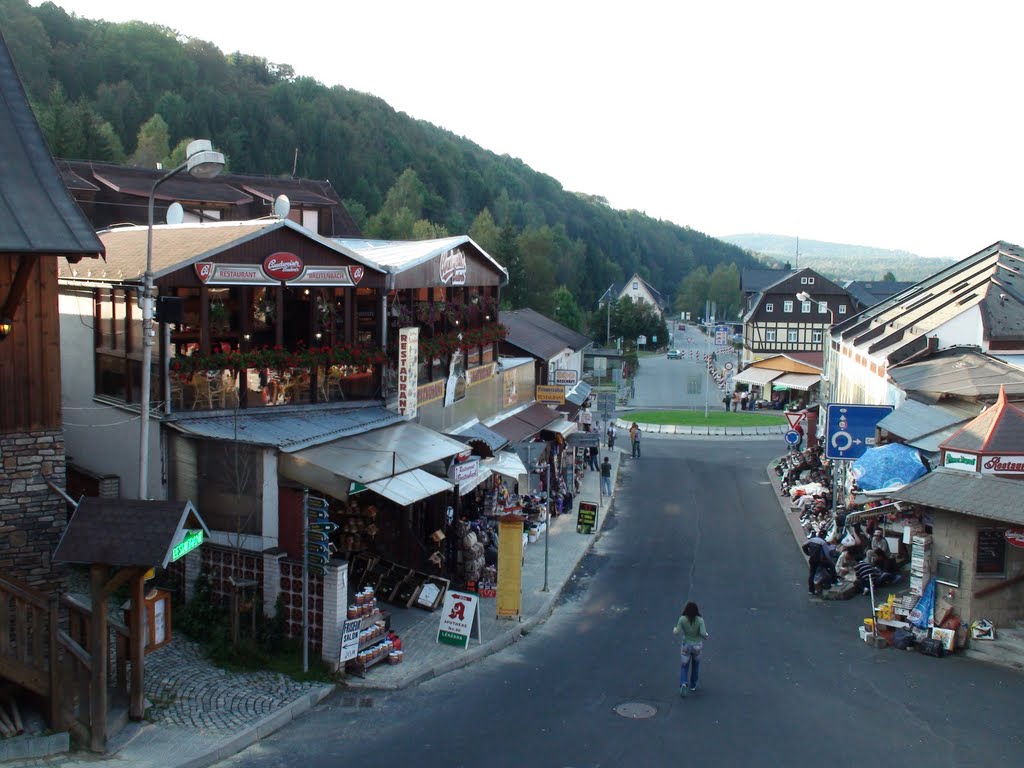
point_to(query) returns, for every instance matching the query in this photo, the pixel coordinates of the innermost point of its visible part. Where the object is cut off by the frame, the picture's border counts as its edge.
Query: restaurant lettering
(453, 267)
(996, 464)
(428, 393)
(408, 362)
(481, 373)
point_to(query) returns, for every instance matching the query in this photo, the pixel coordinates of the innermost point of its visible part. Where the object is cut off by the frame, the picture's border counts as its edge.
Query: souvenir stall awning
(367, 458)
(409, 487)
(526, 422)
(988, 496)
(868, 514)
(482, 474)
(564, 427)
(801, 381)
(477, 432)
(506, 463)
(756, 376)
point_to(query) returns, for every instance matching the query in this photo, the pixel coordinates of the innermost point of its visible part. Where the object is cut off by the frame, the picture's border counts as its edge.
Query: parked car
(673, 354)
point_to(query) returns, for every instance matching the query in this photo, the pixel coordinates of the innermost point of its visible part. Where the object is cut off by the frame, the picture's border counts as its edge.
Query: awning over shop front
(578, 395)
(564, 427)
(506, 463)
(477, 432)
(526, 422)
(801, 381)
(409, 487)
(366, 458)
(756, 376)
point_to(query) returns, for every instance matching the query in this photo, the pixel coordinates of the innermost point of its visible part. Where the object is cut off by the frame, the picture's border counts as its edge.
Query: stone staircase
(1007, 650)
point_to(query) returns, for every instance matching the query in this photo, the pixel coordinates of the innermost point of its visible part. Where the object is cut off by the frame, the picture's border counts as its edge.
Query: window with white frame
(816, 337)
(810, 281)
(805, 307)
(769, 307)
(822, 308)
(842, 309)
(636, 285)
(803, 281)
(787, 306)
(792, 335)
(769, 335)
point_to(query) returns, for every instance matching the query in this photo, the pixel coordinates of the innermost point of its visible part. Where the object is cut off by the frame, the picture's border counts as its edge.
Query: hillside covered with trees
(136, 93)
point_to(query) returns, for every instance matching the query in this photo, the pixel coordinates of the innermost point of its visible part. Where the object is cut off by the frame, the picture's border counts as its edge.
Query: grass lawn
(716, 418)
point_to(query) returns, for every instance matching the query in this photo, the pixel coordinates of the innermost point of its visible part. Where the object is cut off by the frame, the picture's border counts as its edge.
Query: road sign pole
(305, 580)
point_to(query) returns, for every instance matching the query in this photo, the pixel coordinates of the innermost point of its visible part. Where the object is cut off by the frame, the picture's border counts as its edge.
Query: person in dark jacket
(819, 555)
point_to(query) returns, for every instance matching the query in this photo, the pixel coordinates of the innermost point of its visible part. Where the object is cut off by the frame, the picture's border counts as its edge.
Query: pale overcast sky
(890, 124)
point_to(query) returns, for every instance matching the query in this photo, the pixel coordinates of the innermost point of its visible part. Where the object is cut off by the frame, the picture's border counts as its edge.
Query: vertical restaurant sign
(457, 619)
(408, 362)
(510, 566)
(452, 267)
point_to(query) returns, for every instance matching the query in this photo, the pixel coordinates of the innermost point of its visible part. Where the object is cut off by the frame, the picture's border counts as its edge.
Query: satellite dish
(175, 213)
(282, 205)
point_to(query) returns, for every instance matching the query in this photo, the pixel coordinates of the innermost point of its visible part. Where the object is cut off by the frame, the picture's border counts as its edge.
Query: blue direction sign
(792, 437)
(851, 429)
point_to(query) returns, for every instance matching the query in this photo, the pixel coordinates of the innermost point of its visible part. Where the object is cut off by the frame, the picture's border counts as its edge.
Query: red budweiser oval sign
(1015, 536)
(282, 266)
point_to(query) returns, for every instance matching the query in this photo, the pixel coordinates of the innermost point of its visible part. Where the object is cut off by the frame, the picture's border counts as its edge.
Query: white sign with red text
(457, 619)
(1002, 465)
(408, 362)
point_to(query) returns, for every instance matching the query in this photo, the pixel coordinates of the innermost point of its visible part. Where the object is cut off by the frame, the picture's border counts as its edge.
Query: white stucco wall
(100, 438)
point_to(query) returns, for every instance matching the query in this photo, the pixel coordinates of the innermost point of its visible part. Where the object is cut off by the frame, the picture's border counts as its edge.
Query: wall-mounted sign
(276, 268)
(452, 267)
(1002, 465)
(464, 471)
(282, 266)
(192, 540)
(333, 276)
(550, 393)
(231, 274)
(566, 377)
(966, 462)
(408, 366)
(1015, 537)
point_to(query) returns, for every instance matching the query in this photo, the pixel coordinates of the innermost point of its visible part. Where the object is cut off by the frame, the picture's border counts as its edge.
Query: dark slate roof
(991, 279)
(998, 429)
(966, 372)
(756, 280)
(612, 292)
(138, 182)
(37, 214)
(868, 293)
(540, 336)
(526, 423)
(126, 532)
(968, 493)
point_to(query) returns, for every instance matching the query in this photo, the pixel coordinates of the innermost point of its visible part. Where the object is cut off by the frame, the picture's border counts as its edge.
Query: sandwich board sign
(458, 617)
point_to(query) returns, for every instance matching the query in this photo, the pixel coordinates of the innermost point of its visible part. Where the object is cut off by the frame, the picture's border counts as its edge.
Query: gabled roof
(990, 279)
(655, 293)
(821, 286)
(540, 336)
(998, 429)
(962, 371)
(868, 293)
(756, 280)
(792, 362)
(967, 493)
(179, 245)
(399, 255)
(37, 215)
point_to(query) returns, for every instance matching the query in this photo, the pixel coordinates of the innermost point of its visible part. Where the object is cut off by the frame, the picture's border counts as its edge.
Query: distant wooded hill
(135, 92)
(838, 261)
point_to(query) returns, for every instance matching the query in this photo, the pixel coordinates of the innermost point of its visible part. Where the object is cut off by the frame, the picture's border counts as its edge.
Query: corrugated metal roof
(179, 245)
(37, 213)
(526, 423)
(578, 395)
(967, 493)
(288, 430)
(400, 255)
(913, 420)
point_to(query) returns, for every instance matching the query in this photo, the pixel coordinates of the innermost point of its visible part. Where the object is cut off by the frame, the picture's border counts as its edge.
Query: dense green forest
(136, 92)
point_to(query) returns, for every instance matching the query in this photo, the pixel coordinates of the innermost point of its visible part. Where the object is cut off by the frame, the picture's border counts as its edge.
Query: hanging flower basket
(279, 358)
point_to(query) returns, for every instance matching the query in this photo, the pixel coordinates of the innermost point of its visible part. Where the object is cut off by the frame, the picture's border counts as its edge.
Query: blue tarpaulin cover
(887, 466)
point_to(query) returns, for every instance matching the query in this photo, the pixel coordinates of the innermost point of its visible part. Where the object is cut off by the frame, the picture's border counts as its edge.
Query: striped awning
(756, 376)
(801, 381)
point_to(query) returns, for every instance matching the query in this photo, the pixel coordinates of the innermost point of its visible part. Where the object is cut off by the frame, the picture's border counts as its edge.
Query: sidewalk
(202, 714)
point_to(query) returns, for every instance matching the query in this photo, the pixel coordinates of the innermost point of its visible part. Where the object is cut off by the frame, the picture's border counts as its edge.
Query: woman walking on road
(691, 626)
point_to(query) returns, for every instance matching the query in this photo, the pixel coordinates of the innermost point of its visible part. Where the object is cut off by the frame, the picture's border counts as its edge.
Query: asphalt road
(682, 383)
(784, 679)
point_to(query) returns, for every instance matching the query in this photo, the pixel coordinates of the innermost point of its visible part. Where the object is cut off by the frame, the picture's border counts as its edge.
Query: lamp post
(203, 163)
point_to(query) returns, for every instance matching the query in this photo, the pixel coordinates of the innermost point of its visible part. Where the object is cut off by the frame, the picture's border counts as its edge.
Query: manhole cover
(635, 710)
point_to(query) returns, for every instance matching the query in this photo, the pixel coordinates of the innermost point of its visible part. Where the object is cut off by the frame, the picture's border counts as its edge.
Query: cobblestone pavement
(187, 690)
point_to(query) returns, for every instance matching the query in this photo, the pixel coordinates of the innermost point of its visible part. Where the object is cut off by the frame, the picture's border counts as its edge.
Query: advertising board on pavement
(458, 617)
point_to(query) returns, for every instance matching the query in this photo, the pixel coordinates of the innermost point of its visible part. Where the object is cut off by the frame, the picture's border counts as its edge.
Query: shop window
(792, 336)
(991, 553)
(787, 306)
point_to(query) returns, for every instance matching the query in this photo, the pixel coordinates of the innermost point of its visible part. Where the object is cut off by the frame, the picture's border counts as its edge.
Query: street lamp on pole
(202, 162)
